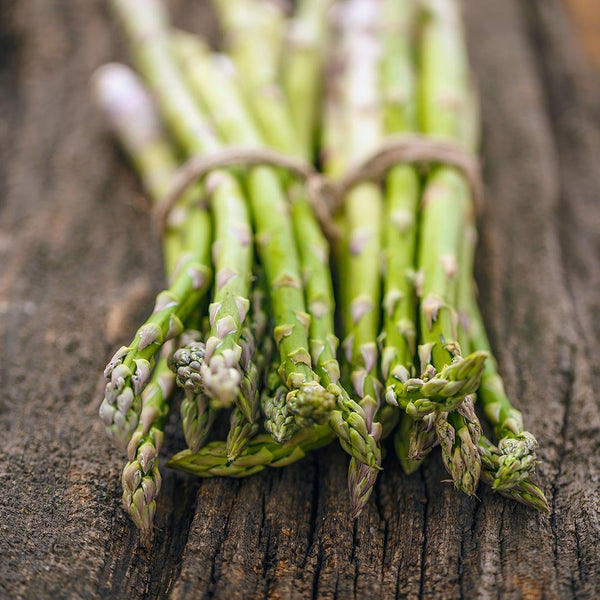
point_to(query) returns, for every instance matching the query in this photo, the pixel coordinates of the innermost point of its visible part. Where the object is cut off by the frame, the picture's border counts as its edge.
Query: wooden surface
(78, 270)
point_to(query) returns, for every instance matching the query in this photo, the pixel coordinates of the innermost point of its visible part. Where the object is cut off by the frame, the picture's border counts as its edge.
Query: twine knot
(326, 196)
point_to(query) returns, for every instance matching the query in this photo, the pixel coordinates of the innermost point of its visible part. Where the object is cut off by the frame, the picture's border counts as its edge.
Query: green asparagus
(404, 259)
(146, 26)
(307, 399)
(132, 117)
(254, 37)
(359, 252)
(302, 70)
(261, 452)
(197, 416)
(399, 96)
(134, 120)
(141, 478)
(257, 349)
(348, 421)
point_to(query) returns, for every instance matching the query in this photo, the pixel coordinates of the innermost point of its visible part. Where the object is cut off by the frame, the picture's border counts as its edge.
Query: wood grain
(74, 237)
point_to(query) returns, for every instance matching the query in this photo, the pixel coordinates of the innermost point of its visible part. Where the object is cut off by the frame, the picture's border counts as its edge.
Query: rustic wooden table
(78, 270)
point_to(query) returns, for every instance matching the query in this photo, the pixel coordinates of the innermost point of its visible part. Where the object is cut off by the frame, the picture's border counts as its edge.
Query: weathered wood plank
(573, 97)
(66, 266)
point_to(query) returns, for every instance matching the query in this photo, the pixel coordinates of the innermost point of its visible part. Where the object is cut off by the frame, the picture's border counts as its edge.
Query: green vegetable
(133, 119)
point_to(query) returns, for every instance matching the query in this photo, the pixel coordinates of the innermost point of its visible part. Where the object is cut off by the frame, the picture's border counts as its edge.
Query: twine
(326, 196)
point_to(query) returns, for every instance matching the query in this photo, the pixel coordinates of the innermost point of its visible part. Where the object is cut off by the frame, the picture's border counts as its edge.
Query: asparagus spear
(261, 452)
(146, 26)
(302, 70)
(446, 111)
(507, 468)
(522, 490)
(197, 416)
(254, 364)
(307, 399)
(254, 36)
(232, 254)
(444, 100)
(132, 117)
(399, 95)
(349, 420)
(360, 250)
(141, 478)
(516, 459)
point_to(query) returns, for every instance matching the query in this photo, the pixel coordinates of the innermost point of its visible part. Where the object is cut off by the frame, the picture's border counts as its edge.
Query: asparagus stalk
(141, 477)
(254, 365)
(132, 117)
(254, 36)
(197, 416)
(261, 452)
(459, 431)
(445, 111)
(507, 468)
(146, 26)
(349, 420)
(399, 333)
(232, 255)
(307, 399)
(360, 250)
(302, 69)
(516, 459)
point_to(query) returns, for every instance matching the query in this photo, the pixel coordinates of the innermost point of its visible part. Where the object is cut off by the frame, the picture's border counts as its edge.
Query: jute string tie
(326, 195)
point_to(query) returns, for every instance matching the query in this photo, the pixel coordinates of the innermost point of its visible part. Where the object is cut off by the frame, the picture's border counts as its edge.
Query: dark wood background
(79, 266)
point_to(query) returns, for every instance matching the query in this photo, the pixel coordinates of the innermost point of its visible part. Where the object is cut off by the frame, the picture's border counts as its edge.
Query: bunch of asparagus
(246, 324)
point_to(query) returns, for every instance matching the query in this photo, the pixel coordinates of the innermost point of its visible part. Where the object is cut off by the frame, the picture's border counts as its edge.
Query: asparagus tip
(310, 404)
